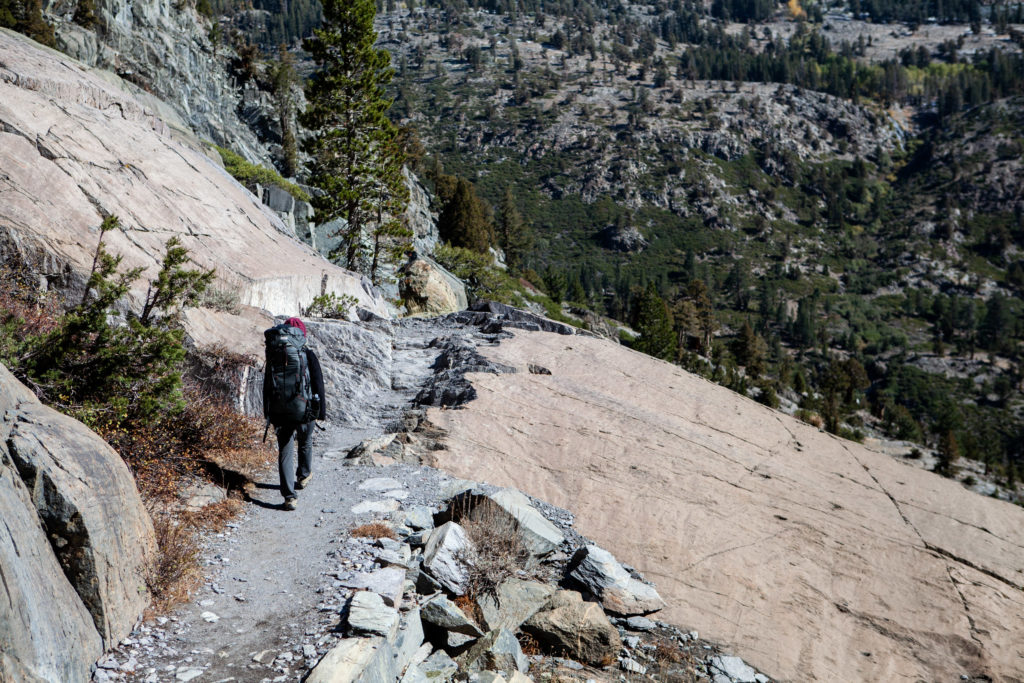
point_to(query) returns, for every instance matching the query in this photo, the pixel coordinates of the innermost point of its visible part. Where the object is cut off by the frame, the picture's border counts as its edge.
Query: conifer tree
(654, 323)
(354, 160)
(515, 236)
(464, 220)
(283, 77)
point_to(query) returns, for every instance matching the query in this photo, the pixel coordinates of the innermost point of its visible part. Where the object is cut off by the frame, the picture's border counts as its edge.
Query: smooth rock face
(77, 142)
(618, 592)
(442, 557)
(354, 659)
(75, 539)
(581, 629)
(796, 549)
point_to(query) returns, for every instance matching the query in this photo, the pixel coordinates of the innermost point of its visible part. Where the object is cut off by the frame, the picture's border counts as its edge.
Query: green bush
(477, 270)
(249, 173)
(331, 305)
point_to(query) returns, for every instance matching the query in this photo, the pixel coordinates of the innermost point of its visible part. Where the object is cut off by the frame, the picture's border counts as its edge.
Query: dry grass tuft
(213, 516)
(376, 529)
(528, 644)
(174, 572)
(498, 551)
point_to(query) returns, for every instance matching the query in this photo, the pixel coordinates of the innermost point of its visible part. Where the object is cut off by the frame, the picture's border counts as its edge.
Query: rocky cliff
(75, 543)
(814, 557)
(78, 144)
(165, 48)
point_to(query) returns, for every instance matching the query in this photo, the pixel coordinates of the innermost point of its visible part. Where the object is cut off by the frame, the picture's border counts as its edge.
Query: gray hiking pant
(286, 438)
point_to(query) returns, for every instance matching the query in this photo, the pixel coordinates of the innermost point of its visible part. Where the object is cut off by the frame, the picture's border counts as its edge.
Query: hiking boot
(290, 504)
(304, 481)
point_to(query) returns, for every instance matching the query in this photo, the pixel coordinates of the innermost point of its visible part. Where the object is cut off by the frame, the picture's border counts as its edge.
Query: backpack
(289, 397)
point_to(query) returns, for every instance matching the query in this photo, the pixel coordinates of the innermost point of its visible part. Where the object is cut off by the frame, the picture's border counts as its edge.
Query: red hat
(295, 322)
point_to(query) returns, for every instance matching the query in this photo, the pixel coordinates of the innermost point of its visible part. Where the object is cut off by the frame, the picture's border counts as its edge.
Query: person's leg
(305, 465)
(286, 460)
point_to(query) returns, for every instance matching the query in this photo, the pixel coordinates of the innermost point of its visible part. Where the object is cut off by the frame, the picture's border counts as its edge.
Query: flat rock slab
(387, 582)
(797, 549)
(381, 484)
(376, 507)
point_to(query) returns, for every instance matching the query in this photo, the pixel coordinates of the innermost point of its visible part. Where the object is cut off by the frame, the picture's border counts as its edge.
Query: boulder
(85, 498)
(497, 651)
(579, 629)
(46, 632)
(441, 612)
(428, 289)
(443, 555)
(367, 614)
(439, 666)
(409, 643)
(600, 573)
(538, 534)
(516, 601)
(388, 583)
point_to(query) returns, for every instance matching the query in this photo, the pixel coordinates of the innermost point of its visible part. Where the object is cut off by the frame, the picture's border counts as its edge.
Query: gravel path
(274, 579)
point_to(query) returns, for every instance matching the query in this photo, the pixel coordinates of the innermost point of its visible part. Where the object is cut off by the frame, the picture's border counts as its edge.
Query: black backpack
(289, 400)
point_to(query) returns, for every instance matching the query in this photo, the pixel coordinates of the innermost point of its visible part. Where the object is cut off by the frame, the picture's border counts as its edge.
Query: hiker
(293, 398)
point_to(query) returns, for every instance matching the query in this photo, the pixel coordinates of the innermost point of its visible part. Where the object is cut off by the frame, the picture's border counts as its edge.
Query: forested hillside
(775, 204)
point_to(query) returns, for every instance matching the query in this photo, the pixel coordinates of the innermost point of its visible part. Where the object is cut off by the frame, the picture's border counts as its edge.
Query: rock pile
(438, 603)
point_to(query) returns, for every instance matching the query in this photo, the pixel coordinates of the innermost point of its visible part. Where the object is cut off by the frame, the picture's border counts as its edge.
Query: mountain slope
(816, 558)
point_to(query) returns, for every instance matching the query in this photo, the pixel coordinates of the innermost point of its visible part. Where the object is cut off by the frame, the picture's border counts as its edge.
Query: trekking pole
(265, 430)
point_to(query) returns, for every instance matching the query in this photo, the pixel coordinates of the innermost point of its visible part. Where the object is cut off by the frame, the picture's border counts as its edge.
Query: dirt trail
(271, 575)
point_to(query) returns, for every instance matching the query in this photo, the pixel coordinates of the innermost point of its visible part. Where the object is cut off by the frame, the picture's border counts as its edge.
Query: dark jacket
(316, 380)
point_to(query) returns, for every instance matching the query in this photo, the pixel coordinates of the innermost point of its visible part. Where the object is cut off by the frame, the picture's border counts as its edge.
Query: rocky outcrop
(814, 557)
(77, 145)
(76, 544)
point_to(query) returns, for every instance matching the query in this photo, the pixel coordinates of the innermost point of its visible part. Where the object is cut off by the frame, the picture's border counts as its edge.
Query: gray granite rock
(516, 601)
(619, 593)
(368, 614)
(441, 612)
(442, 557)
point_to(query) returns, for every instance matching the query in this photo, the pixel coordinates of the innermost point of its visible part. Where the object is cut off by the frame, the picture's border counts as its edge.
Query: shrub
(174, 570)
(224, 299)
(249, 173)
(331, 305)
(482, 278)
(497, 550)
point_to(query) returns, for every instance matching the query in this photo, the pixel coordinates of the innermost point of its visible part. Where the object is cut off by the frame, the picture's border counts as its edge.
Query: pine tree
(353, 156)
(949, 453)
(464, 220)
(515, 236)
(654, 323)
(283, 77)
